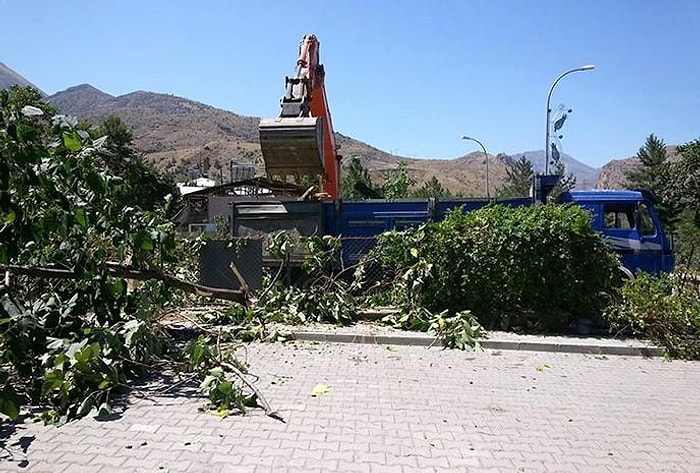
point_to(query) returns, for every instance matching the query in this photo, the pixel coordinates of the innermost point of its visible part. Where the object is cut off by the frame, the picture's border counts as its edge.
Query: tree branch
(115, 269)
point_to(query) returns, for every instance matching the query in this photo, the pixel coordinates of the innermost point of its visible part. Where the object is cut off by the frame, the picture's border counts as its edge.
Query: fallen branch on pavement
(116, 269)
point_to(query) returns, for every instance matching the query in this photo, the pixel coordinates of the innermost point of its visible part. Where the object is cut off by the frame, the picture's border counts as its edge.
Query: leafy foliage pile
(663, 309)
(320, 293)
(72, 222)
(529, 268)
(220, 371)
(324, 292)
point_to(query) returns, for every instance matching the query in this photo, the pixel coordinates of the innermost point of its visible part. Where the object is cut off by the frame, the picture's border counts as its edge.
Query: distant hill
(586, 176)
(183, 136)
(613, 174)
(80, 98)
(178, 135)
(175, 133)
(8, 78)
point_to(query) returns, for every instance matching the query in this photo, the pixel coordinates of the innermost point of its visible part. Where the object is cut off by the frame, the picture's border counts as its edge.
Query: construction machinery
(300, 141)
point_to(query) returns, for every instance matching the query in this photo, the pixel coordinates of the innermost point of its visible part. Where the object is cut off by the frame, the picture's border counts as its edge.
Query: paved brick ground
(402, 409)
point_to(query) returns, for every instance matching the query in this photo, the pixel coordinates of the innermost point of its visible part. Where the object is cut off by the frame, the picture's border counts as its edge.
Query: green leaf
(60, 359)
(103, 411)
(71, 140)
(86, 406)
(81, 218)
(10, 217)
(117, 286)
(250, 401)
(74, 349)
(142, 240)
(197, 355)
(226, 387)
(9, 402)
(52, 381)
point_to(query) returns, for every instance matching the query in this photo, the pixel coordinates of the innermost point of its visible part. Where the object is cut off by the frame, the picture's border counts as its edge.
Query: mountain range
(8, 77)
(186, 138)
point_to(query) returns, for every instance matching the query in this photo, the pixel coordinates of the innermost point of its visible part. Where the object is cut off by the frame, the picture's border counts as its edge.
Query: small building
(195, 185)
(206, 206)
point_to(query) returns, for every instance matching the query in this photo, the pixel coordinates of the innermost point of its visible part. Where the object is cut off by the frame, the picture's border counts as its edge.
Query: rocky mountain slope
(179, 135)
(8, 77)
(185, 137)
(586, 176)
(613, 174)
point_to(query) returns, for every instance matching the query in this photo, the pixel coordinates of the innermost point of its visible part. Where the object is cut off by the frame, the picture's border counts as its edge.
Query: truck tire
(626, 273)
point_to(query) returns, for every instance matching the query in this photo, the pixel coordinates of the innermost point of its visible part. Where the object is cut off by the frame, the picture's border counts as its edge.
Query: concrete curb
(596, 347)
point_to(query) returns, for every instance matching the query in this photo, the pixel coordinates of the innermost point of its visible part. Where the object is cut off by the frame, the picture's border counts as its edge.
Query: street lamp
(488, 195)
(547, 145)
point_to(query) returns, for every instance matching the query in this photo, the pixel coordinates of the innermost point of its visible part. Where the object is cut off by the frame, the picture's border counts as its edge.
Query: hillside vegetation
(178, 134)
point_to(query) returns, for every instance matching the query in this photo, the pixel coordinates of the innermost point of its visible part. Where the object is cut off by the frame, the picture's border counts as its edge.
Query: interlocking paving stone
(403, 409)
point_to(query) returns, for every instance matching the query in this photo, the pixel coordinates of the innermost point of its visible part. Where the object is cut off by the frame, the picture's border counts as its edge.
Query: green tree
(652, 157)
(566, 182)
(148, 187)
(432, 189)
(356, 182)
(519, 178)
(121, 138)
(553, 268)
(655, 174)
(681, 198)
(398, 183)
(21, 96)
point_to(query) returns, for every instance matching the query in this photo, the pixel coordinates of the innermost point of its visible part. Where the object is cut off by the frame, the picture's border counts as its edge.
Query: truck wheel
(614, 296)
(626, 273)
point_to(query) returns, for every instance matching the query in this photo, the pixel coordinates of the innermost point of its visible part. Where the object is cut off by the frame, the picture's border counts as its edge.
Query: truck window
(619, 216)
(646, 222)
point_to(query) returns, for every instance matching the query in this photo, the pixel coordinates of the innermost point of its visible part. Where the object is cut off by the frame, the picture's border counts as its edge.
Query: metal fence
(251, 258)
(218, 259)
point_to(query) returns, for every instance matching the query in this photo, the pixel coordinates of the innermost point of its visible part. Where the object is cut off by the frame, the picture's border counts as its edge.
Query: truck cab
(630, 223)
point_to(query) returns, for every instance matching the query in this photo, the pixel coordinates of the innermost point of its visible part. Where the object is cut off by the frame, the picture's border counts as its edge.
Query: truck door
(634, 233)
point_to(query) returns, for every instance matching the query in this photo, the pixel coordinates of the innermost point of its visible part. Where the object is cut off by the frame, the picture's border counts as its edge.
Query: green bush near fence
(529, 268)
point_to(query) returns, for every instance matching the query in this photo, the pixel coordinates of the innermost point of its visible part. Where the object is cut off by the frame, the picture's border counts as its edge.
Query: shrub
(527, 268)
(660, 309)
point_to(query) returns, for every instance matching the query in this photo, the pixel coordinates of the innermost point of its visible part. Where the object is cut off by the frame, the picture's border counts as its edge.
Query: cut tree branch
(116, 269)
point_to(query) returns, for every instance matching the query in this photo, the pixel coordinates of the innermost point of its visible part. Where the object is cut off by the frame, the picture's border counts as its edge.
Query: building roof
(262, 183)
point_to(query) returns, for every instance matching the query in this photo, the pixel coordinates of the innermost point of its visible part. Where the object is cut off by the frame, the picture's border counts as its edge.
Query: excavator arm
(300, 141)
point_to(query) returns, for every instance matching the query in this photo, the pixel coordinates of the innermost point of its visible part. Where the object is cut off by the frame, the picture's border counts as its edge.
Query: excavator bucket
(292, 146)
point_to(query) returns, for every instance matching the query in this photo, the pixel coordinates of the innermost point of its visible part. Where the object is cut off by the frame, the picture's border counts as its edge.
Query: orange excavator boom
(300, 140)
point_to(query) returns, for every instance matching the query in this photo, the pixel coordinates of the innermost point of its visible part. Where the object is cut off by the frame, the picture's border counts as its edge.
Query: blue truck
(627, 219)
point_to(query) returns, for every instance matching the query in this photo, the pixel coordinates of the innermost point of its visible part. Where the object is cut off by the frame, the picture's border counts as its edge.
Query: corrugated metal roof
(264, 183)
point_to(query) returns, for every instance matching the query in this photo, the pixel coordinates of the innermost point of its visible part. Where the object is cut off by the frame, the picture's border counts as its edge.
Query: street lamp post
(486, 155)
(547, 145)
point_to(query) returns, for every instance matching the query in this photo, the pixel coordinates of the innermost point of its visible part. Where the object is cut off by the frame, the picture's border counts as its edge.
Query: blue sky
(409, 77)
